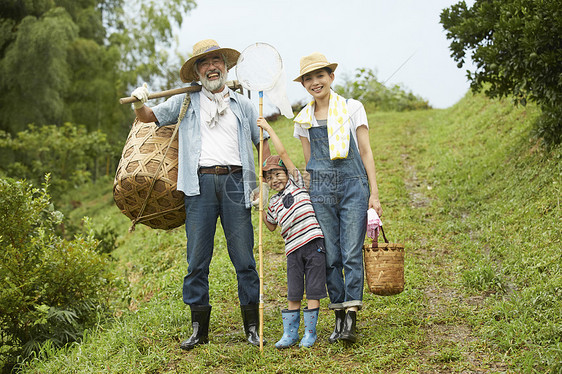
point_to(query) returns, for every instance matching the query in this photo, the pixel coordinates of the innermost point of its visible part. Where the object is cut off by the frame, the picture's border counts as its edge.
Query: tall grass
(478, 208)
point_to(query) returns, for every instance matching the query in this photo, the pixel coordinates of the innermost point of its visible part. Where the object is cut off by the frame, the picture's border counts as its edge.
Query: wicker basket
(384, 267)
(146, 178)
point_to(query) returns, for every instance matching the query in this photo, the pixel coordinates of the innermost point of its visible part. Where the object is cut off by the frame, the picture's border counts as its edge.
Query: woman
(335, 138)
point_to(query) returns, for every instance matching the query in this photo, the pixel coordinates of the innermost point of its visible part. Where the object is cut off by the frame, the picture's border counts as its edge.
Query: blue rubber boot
(310, 317)
(291, 321)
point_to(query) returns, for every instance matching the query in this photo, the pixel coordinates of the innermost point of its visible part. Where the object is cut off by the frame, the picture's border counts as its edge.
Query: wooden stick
(260, 224)
(175, 91)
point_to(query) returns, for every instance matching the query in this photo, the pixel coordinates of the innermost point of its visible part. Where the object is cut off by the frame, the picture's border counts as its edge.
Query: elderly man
(217, 176)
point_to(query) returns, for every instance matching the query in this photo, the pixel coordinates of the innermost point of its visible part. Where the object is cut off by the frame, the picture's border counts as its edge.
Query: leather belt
(220, 169)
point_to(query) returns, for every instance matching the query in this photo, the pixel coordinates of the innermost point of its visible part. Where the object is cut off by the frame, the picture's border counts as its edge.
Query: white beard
(214, 85)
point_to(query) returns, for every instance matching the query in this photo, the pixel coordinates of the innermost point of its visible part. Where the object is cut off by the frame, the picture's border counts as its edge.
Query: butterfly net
(260, 68)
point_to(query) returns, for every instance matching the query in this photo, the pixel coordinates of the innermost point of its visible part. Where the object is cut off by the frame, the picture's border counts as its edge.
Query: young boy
(291, 209)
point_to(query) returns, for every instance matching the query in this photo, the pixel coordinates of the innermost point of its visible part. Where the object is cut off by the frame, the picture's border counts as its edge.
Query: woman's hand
(375, 204)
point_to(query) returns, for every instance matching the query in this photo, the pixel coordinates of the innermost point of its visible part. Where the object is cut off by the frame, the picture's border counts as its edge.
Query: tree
(516, 46)
(70, 60)
(35, 72)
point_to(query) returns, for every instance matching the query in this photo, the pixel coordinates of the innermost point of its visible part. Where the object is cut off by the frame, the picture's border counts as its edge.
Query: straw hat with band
(312, 62)
(202, 49)
(273, 162)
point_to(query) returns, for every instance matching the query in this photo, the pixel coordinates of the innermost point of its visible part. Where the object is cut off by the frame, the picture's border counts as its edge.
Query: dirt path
(449, 337)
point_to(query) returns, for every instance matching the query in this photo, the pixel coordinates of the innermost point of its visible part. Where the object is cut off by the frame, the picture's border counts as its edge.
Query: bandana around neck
(338, 124)
(216, 108)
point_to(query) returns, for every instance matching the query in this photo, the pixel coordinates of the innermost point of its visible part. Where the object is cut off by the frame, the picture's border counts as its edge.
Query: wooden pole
(175, 91)
(260, 224)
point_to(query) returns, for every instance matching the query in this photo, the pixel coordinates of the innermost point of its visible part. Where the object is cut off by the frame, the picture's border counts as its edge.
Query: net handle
(260, 225)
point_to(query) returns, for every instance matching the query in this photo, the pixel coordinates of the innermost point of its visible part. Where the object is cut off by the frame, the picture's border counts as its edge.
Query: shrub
(69, 153)
(51, 289)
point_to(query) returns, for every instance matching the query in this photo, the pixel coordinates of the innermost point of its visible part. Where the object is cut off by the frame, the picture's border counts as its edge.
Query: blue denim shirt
(190, 138)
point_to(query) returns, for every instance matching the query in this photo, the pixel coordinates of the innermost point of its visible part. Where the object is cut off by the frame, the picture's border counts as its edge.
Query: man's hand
(140, 93)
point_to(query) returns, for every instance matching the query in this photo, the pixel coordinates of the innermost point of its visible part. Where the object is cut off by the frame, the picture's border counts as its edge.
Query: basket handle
(383, 235)
(375, 243)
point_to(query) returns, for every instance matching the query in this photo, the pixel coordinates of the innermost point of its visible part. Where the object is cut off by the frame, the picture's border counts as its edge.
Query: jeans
(221, 196)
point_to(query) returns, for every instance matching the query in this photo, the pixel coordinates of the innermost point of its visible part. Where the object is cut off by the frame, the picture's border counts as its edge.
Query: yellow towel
(338, 124)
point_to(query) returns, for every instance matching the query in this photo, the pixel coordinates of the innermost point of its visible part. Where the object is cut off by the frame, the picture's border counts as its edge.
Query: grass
(478, 208)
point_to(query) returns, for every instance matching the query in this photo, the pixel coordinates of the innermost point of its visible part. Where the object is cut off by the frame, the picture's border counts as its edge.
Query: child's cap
(273, 162)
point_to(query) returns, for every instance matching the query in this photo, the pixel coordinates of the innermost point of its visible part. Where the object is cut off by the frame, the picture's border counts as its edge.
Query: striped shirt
(292, 210)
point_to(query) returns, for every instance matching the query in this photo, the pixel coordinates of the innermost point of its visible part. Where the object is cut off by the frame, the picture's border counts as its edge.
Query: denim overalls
(339, 190)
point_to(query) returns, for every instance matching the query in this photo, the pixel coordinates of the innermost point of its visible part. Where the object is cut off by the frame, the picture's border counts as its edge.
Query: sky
(376, 34)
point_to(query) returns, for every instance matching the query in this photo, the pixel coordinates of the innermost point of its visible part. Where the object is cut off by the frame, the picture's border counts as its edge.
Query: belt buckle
(219, 169)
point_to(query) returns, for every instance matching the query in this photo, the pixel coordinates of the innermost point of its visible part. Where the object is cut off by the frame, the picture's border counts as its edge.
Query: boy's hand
(255, 196)
(263, 124)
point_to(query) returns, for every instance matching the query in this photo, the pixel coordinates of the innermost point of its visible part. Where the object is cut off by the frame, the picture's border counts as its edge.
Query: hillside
(475, 203)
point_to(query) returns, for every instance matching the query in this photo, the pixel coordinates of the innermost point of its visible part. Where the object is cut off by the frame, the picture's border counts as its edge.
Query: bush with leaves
(51, 289)
(516, 46)
(69, 153)
(376, 96)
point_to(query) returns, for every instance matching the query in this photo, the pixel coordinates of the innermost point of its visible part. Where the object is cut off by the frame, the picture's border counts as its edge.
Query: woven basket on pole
(146, 178)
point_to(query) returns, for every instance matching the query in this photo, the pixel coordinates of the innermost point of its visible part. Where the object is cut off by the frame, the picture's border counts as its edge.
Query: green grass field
(477, 206)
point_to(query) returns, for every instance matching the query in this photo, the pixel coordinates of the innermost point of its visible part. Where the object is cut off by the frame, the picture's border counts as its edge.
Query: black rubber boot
(251, 318)
(348, 333)
(340, 316)
(200, 316)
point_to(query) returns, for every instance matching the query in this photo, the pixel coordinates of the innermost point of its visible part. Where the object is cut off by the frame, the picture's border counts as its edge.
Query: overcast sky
(375, 34)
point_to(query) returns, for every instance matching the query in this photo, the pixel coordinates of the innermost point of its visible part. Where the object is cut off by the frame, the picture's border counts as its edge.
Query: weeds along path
(414, 213)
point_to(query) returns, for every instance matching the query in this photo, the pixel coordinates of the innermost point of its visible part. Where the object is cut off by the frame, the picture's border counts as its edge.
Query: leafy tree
(376, 96)
(70, 60)
(51, 289)
(67, 152)
(516, 46)
(35, 72)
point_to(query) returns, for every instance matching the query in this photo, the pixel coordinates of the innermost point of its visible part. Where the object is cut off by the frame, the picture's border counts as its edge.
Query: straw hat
(200, 50)
(312, 62)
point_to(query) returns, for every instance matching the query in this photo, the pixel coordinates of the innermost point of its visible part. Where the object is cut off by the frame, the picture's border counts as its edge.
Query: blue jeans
(221, 196)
